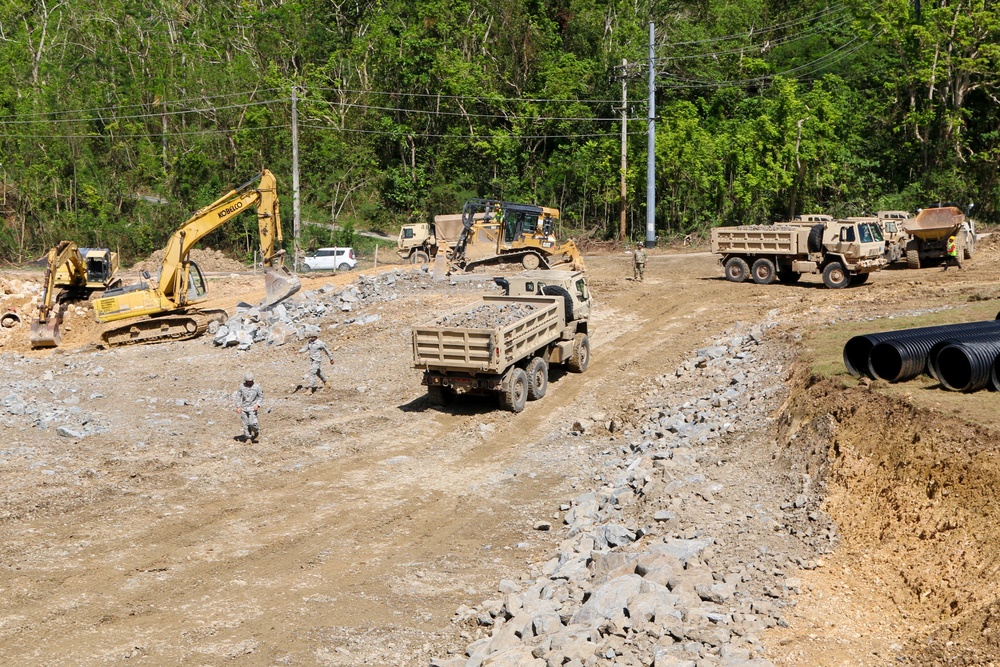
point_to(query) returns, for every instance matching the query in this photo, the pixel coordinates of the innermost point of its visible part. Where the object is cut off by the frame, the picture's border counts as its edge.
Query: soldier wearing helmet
(316, 349)
(248, 399)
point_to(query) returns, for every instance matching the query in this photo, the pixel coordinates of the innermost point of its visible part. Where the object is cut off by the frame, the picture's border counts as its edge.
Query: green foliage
(129, 115)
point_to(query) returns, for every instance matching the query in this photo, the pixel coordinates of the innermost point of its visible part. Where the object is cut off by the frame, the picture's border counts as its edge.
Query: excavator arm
(45, 326)
(279, 283)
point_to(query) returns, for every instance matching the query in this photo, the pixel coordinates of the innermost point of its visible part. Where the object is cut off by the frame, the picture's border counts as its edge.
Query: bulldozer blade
(279, 284)
(45, 334)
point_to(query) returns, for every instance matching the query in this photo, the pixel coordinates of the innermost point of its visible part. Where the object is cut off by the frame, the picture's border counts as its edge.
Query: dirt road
(364, 517)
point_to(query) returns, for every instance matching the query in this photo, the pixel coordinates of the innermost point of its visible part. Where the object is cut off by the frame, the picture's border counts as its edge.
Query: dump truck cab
(571, 285)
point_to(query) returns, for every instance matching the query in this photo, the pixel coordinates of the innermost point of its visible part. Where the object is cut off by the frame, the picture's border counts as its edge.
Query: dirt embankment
(206, 258)
(914, 493)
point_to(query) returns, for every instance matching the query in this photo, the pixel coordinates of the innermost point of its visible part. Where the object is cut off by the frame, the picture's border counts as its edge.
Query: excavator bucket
(45, 334)
(279, 284)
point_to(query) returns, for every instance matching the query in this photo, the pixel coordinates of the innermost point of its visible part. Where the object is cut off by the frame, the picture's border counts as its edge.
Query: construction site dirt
(135, 527)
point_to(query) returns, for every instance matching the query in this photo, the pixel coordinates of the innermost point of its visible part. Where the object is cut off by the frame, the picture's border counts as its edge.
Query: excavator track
(161, 328)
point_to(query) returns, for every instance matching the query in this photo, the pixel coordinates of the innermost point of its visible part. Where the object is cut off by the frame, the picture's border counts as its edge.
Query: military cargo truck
(504, 345)
(844, 252)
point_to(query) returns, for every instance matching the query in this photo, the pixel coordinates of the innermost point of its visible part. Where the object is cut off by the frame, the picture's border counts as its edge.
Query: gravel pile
(207, 260)
(307, 313)
(657, 567)
(487, 316)
(48, 400)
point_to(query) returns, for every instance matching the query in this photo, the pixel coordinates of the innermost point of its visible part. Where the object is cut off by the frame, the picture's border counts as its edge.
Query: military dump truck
(504, 345)
(895, 236)
(420, 242)
(845, 252)
(929, 232)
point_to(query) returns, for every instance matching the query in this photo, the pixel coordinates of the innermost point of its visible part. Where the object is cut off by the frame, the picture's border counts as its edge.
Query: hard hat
(248, 377)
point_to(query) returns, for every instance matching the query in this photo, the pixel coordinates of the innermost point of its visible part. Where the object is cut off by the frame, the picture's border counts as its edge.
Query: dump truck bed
(761, 239)
(490, 335)
(934, 223)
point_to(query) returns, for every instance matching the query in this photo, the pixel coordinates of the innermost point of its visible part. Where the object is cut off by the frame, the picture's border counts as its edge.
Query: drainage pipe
(967, 366)
(858, 349)
(932, 354)
(904, 356)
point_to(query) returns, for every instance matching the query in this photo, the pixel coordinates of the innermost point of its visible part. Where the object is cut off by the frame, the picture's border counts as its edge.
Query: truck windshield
(869, 233)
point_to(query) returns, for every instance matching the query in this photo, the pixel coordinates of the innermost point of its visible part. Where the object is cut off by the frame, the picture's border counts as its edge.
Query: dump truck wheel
(581, 354)
(531, 261)
(860, 279)
(969, 246)
(538, 378)
(788, 277)
(737, 269)
(835, 276)
(516, 394)
(419, 257)
(815, 241)
(912, 256)
(763, 271)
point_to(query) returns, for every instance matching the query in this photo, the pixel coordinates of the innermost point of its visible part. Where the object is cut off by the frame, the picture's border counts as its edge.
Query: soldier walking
(248, 400)
(639, 263)
(316, 349)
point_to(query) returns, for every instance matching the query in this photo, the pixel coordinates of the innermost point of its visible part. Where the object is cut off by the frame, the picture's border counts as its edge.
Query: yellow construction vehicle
(163, 310)
(496, 231)
(72, 273)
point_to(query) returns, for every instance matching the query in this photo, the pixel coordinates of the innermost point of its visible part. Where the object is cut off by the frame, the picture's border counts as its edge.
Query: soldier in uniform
(316, 349)
(639, 263)
(248, 400)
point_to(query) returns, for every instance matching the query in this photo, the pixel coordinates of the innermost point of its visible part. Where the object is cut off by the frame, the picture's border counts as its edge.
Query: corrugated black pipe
(975, 337)
(904, 356)
(858, 349)
(967, 366)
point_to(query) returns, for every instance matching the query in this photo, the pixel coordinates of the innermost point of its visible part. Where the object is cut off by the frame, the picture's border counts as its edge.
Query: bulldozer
(72, 273)
(496, 231)
(153, 311)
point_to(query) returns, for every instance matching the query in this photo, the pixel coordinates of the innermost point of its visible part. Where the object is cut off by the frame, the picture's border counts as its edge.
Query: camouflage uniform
(248, 400)
(639, 263)
(316, 349)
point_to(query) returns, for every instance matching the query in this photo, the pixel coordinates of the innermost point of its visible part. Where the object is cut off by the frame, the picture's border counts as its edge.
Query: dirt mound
(206, 258)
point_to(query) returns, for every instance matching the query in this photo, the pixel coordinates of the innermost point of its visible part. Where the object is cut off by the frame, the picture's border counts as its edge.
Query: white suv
(340, 259)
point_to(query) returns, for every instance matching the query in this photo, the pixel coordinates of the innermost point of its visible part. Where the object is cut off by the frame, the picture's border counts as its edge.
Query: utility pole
(651, 146)
(621, 222)
(296, 213)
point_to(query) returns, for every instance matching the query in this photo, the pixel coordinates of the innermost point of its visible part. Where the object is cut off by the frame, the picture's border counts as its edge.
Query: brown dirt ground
(364, 517)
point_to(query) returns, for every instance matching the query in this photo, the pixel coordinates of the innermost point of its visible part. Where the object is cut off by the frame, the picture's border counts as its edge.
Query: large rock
(609, 600)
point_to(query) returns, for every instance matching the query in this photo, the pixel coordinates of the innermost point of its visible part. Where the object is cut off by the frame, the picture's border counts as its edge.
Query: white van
(330, 259)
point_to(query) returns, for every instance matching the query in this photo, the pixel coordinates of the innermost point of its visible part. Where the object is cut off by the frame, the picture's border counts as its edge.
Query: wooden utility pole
(621, 222)
(296, 213)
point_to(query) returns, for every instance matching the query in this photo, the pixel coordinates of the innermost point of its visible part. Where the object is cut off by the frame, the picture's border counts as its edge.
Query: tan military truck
(845, 252)
(929, 232)
(505, 345)
(895, 236)
(419, 243)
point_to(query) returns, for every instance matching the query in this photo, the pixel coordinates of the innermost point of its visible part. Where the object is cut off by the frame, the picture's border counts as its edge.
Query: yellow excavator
(71, 273)
(164, 309)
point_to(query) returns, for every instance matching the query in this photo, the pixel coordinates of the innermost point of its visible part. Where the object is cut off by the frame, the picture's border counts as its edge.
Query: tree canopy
(118, 118)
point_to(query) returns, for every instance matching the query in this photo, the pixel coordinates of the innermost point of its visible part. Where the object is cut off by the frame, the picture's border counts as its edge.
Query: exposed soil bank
(914, 494)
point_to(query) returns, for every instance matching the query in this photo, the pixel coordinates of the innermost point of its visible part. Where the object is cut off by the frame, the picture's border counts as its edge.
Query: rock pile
(47, 401)
(656, 567)
(307, 312)
(487, 316)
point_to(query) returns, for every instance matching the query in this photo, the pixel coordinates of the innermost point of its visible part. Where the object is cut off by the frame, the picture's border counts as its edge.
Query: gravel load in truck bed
(487, 316)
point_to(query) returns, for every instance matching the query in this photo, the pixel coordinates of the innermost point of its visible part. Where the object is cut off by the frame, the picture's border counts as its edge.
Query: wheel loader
(151, 311)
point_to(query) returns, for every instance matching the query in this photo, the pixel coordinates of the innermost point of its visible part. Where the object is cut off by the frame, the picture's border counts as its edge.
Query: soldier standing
(248, 400)
(316, 349)
(639, 263)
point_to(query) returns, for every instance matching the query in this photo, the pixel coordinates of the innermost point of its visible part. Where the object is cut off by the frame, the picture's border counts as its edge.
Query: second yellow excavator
(164, 309)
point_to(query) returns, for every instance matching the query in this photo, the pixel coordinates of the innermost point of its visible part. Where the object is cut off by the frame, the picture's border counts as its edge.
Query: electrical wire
(779, 26)
(139, 104)
(158, 114)
(470, 98)
(512, 116)
(148, 135)
(770, 45)
(482, 137)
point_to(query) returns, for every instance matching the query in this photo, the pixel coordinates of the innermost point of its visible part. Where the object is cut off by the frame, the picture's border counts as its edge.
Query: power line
(778, 26)
(470, 98)
(148, 135)
(433, 112)
(466, 136)
(139, 104)
(158, 114)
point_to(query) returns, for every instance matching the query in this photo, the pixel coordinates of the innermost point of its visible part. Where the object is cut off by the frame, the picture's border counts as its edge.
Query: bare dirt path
(363, 518)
